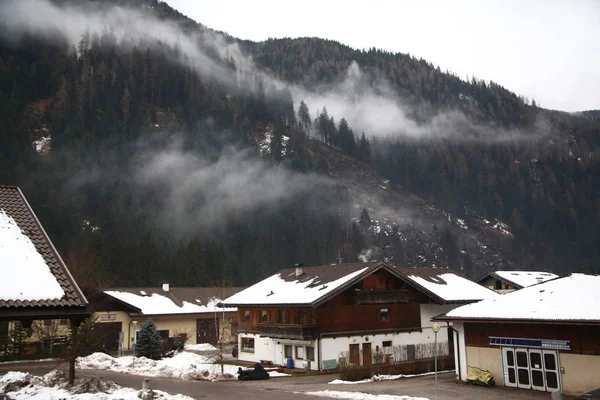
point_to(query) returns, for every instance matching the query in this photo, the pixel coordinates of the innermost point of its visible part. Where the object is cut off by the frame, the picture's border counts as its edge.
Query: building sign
(538, 343)
(108, 317)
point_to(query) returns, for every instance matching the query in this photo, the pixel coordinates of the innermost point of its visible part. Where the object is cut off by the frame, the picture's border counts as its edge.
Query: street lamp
(134, 323)
(436, 328)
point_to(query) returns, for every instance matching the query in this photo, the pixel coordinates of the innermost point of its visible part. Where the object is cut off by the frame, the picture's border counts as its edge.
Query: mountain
(154, 148)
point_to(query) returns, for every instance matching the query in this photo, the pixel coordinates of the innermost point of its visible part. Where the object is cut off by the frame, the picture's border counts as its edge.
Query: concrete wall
(489, 358)
(582, 373)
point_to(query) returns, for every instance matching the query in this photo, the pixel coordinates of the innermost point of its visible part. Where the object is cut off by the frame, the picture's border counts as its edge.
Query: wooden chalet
(544, 337)
(316, 315)
(508, 281)
(36, 284)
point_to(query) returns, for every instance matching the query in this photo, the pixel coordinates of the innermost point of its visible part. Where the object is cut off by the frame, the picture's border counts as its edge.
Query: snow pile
(53, 386)
(502, 227)
(265, 145)
(200, 347)
(183, 365)
(42, 144)
(32, 280)
(379, 378)
(361, 396)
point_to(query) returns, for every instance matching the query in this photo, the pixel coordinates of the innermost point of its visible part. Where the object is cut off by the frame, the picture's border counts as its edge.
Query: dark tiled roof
(180, 294)
(14, 204)
(325, 273)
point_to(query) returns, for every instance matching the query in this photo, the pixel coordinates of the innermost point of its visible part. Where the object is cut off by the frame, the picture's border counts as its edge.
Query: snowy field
(360, 396)
(184, 365)
(53, 386)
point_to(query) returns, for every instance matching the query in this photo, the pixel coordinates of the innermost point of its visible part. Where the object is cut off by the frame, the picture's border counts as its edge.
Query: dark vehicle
(251, 374)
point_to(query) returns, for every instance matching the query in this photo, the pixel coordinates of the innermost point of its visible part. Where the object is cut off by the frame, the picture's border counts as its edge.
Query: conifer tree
(149, 342)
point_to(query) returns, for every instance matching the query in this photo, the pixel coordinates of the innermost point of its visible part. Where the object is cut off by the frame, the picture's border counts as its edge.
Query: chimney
(165, 287)
(299, 270)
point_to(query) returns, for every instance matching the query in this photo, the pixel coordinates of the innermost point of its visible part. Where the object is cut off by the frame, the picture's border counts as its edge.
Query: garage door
(531, 368)
(108, 334)
(206, 330)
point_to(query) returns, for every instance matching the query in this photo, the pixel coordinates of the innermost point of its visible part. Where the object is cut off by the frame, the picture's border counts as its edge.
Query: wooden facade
(583, 338)
(379, 302)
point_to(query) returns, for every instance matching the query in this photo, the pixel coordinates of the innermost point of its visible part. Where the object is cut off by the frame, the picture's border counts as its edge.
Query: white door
(551, 370)
(509, 365)
(522, 359)
(279, 354)
(537, 370)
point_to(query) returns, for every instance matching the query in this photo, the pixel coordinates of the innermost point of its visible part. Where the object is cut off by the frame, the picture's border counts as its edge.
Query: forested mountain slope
(153, 148)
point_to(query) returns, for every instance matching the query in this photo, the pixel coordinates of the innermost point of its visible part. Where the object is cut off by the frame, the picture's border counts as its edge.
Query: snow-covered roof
(570, 298)
(525, 278)
(306, 288)
(156, 301)
(33, 274)
(448, 286)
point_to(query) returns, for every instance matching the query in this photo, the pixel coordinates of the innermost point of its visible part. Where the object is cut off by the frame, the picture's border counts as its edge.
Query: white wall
(429, 311)
(269, 349)
(460, 350)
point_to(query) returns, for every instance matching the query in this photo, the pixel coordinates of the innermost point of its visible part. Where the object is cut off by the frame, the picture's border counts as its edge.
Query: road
(295, 387)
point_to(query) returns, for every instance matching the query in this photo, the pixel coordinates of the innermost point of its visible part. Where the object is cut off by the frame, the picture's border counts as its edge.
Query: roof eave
(444, 317)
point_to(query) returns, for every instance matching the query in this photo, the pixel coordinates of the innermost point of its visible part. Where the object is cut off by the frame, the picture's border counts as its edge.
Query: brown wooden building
(544, 337)
(316, 315)
(35, 283)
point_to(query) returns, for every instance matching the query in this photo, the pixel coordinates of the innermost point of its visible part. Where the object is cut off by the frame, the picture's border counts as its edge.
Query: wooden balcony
(284, 331)
(382, 297)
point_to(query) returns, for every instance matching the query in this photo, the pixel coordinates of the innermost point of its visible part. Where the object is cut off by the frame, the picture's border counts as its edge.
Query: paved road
(294, 387)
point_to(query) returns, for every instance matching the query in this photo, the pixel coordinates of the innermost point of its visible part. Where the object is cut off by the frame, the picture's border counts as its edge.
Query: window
(264, 316)
(283, 316)
(246, 315)
(288, 351)
(385, 314)
(303, 318)
(300, 352)
(387, 343)
(248, 345)
(310, 353)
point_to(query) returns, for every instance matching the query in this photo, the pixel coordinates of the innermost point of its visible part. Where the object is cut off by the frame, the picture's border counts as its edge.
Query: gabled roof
(571, 298)
(177, 300)
(520, 279)
(315, 285)
(33, 274)
(445, 286)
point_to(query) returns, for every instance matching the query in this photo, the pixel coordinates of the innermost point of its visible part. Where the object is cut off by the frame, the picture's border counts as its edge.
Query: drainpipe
(319, 354)
(457, 350)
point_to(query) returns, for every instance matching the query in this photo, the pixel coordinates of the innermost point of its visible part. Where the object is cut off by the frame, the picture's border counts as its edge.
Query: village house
(508, 281)
(189, 314)
(543, 337)
(36, 284)
(359, 312)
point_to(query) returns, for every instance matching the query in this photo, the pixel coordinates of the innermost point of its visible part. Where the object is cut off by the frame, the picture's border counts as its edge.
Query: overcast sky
(543, 49)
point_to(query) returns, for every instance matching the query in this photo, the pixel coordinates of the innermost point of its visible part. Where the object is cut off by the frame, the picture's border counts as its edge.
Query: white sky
(543, 49)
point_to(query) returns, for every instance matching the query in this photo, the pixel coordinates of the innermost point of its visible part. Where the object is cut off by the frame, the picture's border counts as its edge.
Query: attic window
(143, 292)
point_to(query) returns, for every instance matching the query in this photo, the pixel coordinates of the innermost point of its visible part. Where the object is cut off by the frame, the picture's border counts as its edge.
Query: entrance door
(523, 380)
(354, 354)
(537, 370)
(206, 330)
(367, 358)
(510, 368)
(551, 370)
(108, 334)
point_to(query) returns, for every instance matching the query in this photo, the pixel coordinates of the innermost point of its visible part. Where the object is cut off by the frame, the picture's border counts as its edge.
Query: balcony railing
(382, 297)
(282, 331)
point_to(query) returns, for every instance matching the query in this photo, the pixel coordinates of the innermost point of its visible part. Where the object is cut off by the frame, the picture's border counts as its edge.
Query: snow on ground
(42, 143)
(184, 365)
(200, 347)
(360, 396)
(461, 223)
(32, 280)
(380, 378)
(265, 145)
(53, 386)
